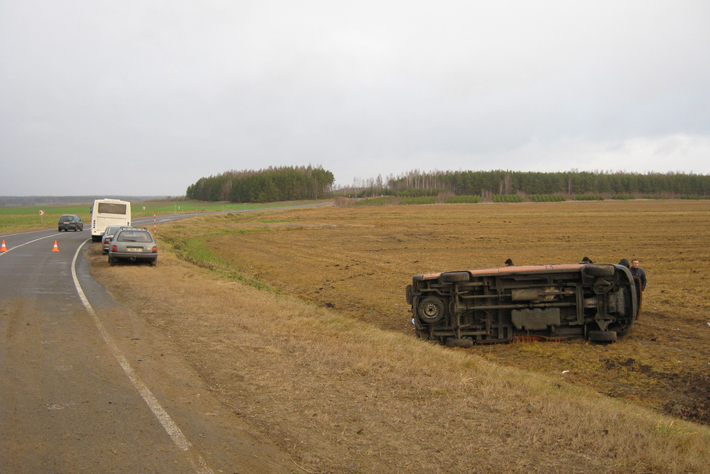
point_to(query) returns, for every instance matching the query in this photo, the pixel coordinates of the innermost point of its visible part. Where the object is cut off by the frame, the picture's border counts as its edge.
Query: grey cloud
(182, 89)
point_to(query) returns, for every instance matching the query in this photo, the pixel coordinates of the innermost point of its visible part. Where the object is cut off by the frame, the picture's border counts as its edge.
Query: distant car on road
(108, 236)
(462, 308)
(70, 221)
(136, 245)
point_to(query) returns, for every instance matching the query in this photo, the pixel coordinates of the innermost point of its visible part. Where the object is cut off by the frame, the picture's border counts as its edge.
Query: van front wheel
(431, 309)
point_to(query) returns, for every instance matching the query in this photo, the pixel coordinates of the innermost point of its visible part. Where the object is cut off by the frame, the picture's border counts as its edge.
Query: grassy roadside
(24, 218)
(341, 394)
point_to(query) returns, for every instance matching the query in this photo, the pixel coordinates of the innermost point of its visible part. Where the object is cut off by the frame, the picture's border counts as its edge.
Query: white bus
(106, 212)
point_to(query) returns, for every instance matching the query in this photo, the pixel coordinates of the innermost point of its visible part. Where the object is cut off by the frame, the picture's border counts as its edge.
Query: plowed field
(357, 260)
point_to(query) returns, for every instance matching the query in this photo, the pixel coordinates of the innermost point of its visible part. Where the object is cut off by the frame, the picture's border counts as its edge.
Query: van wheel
(431, 310)
(602, 336)
(463, 342)
(599, 270)
(455, 277)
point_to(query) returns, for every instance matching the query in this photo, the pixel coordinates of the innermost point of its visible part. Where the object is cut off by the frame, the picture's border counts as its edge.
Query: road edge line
(171, 428)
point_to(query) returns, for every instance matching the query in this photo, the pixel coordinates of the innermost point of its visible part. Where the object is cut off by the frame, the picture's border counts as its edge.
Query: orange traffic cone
(3, 248)
(55, 249)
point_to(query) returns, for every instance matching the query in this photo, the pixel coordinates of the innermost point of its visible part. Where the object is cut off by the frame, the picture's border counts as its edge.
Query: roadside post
(41, 218)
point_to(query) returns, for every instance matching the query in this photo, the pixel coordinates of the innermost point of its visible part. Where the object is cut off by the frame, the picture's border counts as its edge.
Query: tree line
(266, 185)
(299, 183)
(501, 182)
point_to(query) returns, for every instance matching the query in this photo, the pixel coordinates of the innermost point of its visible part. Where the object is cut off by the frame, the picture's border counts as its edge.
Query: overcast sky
(145, 97)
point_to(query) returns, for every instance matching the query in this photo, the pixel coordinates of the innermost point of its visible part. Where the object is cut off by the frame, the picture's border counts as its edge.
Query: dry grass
(343, 395)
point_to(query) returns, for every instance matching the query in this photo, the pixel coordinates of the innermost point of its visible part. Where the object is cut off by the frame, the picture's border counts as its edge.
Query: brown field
(343, 385)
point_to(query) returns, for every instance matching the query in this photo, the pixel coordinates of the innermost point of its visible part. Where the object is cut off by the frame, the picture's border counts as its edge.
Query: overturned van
(462, 308)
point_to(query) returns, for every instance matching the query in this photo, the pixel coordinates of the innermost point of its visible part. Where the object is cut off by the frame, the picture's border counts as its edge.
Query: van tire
(602, 336)
(431, 310)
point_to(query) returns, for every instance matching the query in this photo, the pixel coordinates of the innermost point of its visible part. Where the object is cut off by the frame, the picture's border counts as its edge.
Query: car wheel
(602, 336)
(153, 263)
(111, 261)
(431, 309)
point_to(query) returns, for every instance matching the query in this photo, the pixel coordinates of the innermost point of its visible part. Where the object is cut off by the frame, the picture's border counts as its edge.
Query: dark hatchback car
(70, 222)
(136, 245)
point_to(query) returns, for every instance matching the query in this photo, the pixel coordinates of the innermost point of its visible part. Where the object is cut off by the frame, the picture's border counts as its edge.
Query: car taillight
(114, 248)
(155, 249)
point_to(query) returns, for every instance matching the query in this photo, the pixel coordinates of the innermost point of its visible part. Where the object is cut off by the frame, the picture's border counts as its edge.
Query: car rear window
(127, 236)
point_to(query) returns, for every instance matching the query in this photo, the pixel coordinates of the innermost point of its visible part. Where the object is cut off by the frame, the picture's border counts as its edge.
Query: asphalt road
(87, 386)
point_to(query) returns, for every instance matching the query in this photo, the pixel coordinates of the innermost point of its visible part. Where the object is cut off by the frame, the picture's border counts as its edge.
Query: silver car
(136, 245)
(108, 235)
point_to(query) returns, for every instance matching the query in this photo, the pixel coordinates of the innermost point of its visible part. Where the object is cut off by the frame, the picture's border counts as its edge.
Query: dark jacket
(641, 274)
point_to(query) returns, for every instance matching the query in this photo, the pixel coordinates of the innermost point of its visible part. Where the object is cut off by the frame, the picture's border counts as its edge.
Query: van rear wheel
(602, 336)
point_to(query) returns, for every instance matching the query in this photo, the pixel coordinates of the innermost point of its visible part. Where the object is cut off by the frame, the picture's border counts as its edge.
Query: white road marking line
(169, 425)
